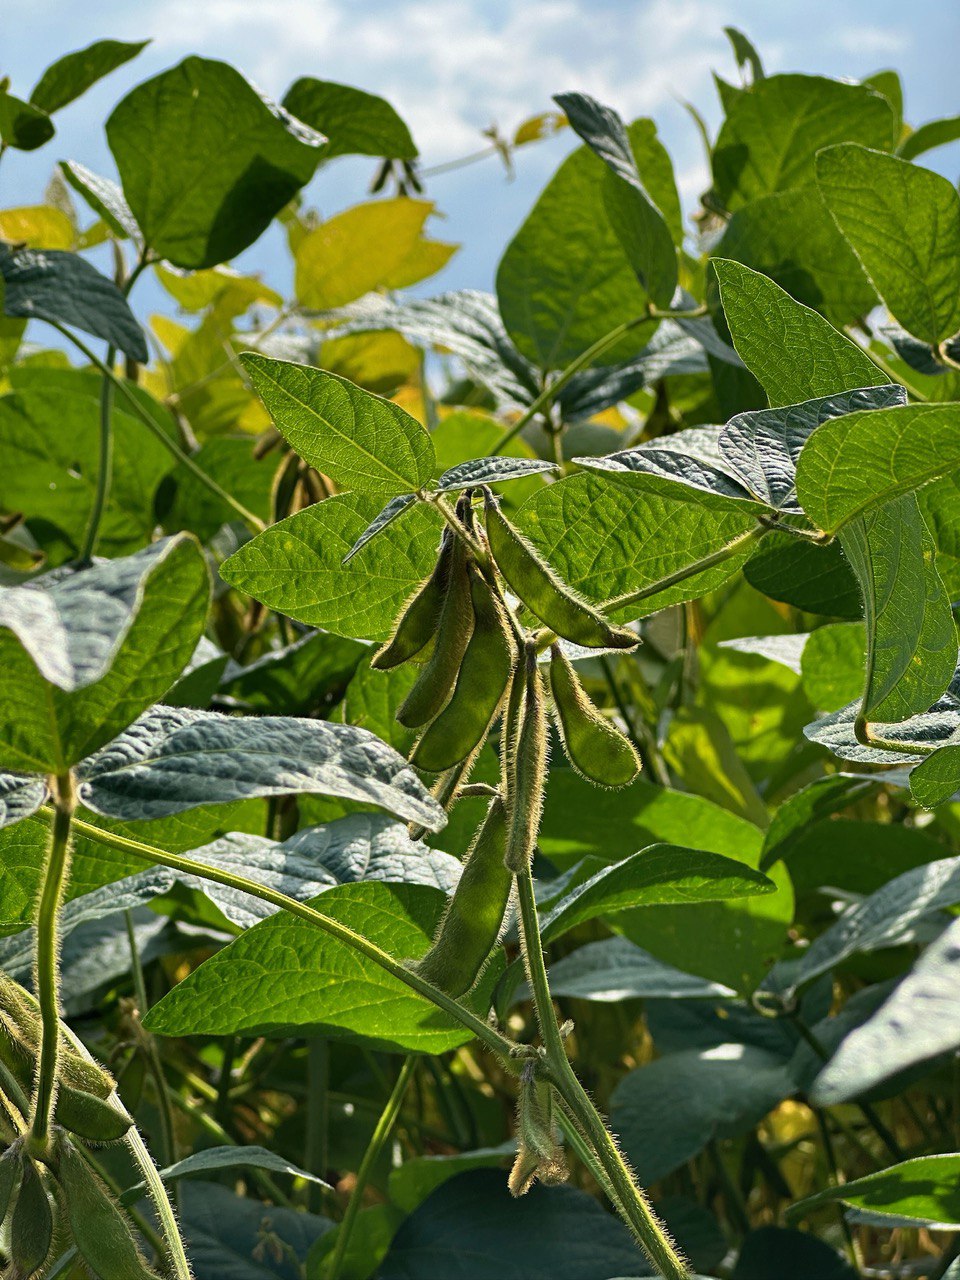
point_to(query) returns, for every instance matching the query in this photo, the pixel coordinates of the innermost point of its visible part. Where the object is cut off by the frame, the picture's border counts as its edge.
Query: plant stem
(318, 1116)
(254, 522)
(549, 394)
(176, 1254)
(168, 1132)
(466, 1017)
(755, 534)
(53, 883)
(628, 1197)
(381, 1133)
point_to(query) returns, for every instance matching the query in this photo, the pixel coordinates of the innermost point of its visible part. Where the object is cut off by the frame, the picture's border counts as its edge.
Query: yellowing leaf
(38, 227)
(357, 251)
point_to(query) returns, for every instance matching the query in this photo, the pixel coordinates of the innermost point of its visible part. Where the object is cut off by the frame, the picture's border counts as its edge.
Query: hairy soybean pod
(471, 924)
(435, 682)
(100, 1229)
(31, 1228)
(542, 591)
(528, 771)
(90, 1117)
(20, 1042)
(481, 683)
(9, 1168)
(417, 624)
(595, 747)
(539, 1154)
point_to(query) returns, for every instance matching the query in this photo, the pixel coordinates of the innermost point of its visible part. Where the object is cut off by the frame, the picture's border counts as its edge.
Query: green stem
(176, 1254)
(105, 460)
(755, 534)
(381, 1133)
(53, 883)
(549, 394)
(254, 522)
(627, 1195)
(480, 1028)
(318, 1116)
(168, 1132)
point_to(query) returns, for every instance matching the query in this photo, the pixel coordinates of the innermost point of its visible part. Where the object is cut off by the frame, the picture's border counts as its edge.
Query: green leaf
(917, 1022)
(216, 1159)
(625, 552)
(637, 222)
(296, 566)
(415, 1179)
(937, 778)
(792, 238)
(832, 665)
(20, 796)
(286, 976)
(770, 329)
(903, 223)
(935, 133)
(354, 122)
(49, 438)
(858, 462)
(356, 438)
(615, 969)
(175, 758)
(67, 78)
(789, 1255)
(82, 659)
(924, 1190)
(664, 874)
(22, 125)
(667, 1112)
(934, 728)
(296, 679)
(206, 162)
(771, 135)
(807, 807)
(63, 288)
(744, 52)
(884, 919)
(798, 572)
(225, 1236)
(471, 1228)
(911, 635)
(104, 197)
(564, 280)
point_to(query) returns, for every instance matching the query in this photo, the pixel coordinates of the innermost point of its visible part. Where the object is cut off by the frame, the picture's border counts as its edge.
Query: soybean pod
(31, 1226)
(472, 922)
(595, 747)
(417, 623)
(100, 1229)
(482, 681)
(527, 770)
(434, 684)
(543, 592)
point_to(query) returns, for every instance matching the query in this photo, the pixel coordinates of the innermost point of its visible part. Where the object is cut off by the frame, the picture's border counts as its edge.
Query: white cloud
(453, 67)
(875, 41)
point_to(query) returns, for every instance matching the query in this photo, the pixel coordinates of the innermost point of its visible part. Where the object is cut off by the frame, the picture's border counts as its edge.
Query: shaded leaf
(353, 121)
(70, 76)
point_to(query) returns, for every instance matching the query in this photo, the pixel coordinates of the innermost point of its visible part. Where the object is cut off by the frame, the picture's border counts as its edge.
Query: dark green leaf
(904, 225)
(62, 288)
(206, 162)
(798, 572)
(937, 778)
(174, 758)
(354, 122)
(22, 125)
(615, 969)
(789, 1255)
(225, 1236)
(637, 222)
(70, 76)
(935, 133)
(84, 658)
(470, 1227)
(771, 135)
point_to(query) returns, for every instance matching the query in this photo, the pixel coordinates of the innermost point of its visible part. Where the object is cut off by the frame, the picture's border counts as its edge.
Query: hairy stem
(466, 1017)
(47, 943)
(168, 1132)
(381, 1133)
(626, 1194)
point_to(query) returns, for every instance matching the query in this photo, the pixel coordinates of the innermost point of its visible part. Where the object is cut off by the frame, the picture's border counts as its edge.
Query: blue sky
(451, 67)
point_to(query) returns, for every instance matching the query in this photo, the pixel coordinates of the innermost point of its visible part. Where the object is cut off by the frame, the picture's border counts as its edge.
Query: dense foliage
(322, 620)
